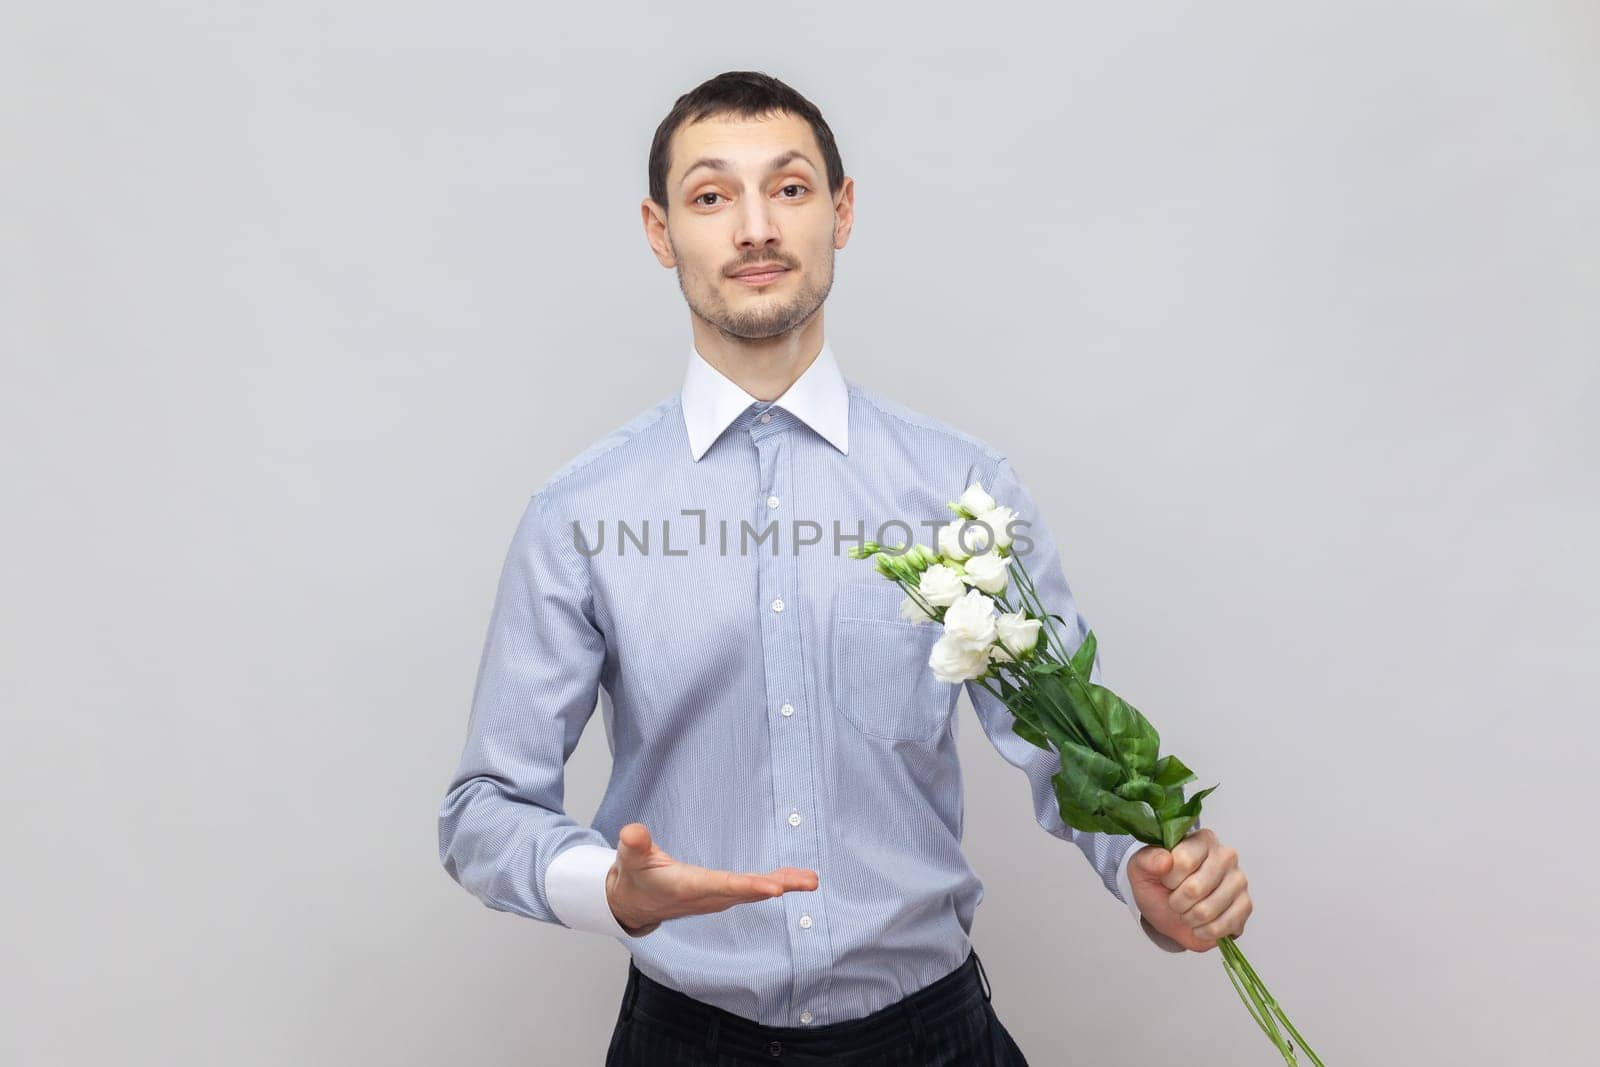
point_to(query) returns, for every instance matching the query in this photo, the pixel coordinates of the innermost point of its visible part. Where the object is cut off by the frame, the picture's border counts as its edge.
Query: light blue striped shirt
(764, 704)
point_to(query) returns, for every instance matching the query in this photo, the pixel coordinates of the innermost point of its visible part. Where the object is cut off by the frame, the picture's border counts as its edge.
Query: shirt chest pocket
(881, 679)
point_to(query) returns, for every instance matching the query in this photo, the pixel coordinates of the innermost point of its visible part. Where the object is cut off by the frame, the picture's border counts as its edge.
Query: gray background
(1287, 313)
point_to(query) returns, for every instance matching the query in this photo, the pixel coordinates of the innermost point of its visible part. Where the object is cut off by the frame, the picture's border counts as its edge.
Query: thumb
(1152, 862)
(633, 842)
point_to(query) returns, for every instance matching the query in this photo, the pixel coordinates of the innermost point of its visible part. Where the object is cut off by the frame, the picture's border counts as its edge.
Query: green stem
(1235, 958)
(1074, 677)
(915, 593)
(1026, 588)
(1252, 1003)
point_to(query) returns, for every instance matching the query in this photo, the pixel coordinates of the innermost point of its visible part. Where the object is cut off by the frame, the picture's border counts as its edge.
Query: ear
(844, 212)
(656, 233)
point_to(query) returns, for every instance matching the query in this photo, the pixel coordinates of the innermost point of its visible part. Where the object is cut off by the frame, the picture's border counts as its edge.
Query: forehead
(748, 144)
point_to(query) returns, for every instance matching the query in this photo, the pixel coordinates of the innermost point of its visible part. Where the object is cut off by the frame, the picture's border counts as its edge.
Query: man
(779, 845)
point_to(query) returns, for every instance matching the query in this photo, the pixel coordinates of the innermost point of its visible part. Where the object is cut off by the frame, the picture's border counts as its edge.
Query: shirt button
(805, 922)
(775, 1048)
(787, 709)
(772, 501)
(805, 1016)
(777, 604)
(766, 416)
(794, 818)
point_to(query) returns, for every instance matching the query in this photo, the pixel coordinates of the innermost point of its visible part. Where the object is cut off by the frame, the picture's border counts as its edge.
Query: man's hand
(645, 886)
(1195, 894)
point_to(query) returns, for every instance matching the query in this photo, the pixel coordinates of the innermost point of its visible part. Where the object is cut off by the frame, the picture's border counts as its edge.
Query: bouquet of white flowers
(1112, 778)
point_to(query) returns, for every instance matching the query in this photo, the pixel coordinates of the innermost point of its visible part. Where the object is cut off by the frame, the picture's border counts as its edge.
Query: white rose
(975, 500)
(954, 661)
(987, 572)
(998, 518)
(971, 620)
(911, 611)
(940, 585)
(1016, 631)
(950, 539)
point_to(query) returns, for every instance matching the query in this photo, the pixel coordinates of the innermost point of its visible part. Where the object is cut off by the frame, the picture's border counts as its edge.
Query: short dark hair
(748, 94)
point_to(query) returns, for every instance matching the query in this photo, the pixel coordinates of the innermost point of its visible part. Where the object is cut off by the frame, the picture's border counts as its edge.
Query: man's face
(747, 193)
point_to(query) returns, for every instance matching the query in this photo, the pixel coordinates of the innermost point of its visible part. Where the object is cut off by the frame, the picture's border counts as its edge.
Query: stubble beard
(772, 319)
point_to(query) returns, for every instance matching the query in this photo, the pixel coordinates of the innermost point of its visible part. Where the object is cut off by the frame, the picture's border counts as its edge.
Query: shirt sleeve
(575, 884)
(502, 823)
(1108, 854)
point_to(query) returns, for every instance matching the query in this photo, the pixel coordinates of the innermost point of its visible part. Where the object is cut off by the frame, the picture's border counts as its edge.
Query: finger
(745, 887)
(794, 878)
(754, 886)
(1187, 856)
(1215, 904)
(1203, 882)
(1230, 922)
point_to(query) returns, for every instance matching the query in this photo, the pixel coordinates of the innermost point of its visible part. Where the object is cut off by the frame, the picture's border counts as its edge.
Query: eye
(701, 199)
(793, 185)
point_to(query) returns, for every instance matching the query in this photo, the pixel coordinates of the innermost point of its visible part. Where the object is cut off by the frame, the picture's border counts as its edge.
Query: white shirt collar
(711, 401)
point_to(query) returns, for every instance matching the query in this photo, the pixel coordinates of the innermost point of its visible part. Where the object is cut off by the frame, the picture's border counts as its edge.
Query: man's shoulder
(874, 404)
(640, 437)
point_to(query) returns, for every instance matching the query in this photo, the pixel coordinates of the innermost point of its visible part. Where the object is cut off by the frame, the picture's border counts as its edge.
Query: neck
(764, 367)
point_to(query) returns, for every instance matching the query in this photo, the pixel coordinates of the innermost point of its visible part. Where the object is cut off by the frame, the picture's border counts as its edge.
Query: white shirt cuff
(1125, 884)
(575, 886)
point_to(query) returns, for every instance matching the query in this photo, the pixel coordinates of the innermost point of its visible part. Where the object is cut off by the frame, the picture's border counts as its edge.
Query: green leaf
(1105, 773)
(1171, 771)
(1074, 812)
(1146, 789)
(1020, 702)
(1175, 826)
(1192, 805)
(1030, 735)
(1135, 816)
(1051, 712)
(1133, 740)
(1083, 658)
(1078, 698)
(1171, 801)
(1077, 790)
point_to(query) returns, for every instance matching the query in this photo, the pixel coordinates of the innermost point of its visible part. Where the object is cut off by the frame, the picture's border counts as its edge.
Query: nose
(757, 227)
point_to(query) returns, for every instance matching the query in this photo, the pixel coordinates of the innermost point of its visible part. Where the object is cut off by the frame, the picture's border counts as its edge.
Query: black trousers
(948, 1023)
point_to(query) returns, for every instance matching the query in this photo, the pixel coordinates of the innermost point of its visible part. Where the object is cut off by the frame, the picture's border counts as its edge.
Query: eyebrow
(722, 164)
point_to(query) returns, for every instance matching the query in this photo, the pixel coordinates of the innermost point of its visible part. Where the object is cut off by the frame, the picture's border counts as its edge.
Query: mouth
(761, 277)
